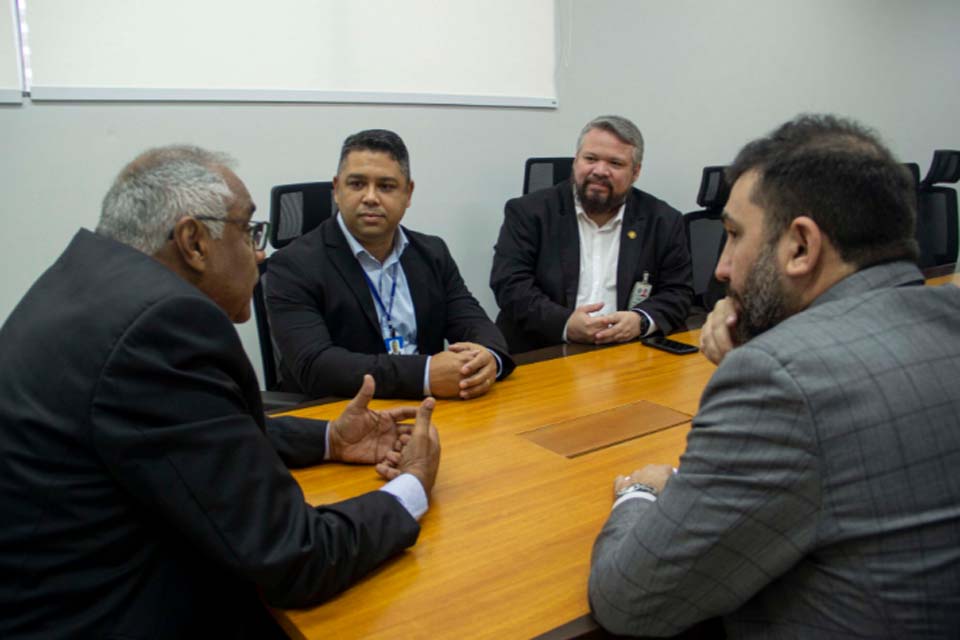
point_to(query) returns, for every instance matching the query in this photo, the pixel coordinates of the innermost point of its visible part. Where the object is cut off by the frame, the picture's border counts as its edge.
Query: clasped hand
(619, 326)
(465, 370)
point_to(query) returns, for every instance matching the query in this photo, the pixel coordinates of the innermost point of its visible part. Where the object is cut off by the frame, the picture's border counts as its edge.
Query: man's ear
(803, 247)
(636, 173)
(191, 241)
(409, 192)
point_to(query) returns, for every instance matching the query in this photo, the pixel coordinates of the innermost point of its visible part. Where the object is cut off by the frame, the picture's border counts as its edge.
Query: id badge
(641, 291)
(394, 345)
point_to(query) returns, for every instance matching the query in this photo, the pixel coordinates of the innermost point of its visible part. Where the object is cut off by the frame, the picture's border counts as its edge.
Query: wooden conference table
(525, 484)
(950, 278)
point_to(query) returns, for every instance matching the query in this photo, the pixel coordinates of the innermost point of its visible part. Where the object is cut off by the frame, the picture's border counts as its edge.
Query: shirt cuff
(426, 378)
(563, 337)
(651, 325)
(408, 490)
(499, 362)
(326, 442)
(633, 495)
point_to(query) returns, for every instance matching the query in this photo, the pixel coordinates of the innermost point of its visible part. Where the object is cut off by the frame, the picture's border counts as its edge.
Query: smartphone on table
(670, 346)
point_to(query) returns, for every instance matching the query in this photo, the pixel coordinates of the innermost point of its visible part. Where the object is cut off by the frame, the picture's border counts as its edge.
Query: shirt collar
(612, 223)
(400, 243)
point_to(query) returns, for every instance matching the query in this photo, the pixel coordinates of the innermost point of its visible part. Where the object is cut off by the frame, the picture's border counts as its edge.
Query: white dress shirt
(599, 252)
(599, 255)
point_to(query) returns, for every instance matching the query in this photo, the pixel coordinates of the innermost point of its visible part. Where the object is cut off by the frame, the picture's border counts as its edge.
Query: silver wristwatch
(634, 487)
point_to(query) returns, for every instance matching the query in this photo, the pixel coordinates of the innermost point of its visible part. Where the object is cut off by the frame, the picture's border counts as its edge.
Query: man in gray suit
(819, 494)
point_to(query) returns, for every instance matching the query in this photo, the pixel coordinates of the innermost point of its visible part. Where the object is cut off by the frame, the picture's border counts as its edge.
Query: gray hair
(622, 128)
(158, 188)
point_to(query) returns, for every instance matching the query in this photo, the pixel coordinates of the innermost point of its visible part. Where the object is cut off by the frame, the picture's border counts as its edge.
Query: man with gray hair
(144, 493)
(592, 260)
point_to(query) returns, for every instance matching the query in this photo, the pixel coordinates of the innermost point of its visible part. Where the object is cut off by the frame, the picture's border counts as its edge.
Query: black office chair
(295, 209)
(937, 223)
(298, 208)
(706, 237)
(914, 170)
(542, 173)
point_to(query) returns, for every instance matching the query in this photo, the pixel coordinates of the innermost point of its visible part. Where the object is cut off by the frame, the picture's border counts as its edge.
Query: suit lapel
(420, 281)
(631, 243)
(350, 271)
(569, 243)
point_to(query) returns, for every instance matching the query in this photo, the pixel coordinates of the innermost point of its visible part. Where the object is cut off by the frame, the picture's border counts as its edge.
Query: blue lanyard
(387, 311)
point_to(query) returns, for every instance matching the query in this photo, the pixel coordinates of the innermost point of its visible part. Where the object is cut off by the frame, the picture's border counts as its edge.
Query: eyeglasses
(258, 230)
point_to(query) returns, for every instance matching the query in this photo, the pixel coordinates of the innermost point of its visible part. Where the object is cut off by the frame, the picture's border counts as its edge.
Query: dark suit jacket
(536, 264)
(140, 493)
(324, 322)
(818, 496)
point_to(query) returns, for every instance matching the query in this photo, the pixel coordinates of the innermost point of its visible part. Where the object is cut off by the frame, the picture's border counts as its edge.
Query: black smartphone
(670, 346)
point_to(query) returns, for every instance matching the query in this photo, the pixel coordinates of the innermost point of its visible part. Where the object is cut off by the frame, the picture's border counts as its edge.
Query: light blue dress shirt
(403, 315)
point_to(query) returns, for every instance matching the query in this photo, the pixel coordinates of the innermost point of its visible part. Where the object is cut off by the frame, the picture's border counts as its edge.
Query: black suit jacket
(140, 493)
(324, 322)
(536, 264)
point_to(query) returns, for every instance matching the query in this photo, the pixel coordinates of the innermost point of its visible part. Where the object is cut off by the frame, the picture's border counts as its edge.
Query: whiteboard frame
(41, 93)
(14, 95)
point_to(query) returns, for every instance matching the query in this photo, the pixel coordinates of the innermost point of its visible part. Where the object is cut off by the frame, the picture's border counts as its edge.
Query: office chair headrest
(914, 170)
(944, 168)
(296, 209)
(714, 190)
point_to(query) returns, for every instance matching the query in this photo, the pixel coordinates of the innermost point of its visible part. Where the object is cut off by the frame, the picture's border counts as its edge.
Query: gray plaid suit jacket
(819, 495)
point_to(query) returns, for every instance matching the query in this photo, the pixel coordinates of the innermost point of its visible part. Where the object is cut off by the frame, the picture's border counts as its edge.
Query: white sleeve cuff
(426, 378)
(499, 362)
(408, 490)
(643, 495)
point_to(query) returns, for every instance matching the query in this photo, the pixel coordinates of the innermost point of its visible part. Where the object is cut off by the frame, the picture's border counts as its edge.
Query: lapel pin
(632, 234)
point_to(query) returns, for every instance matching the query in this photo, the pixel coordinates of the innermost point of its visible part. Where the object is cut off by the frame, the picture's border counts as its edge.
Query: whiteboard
(11, 88)
(485, 52)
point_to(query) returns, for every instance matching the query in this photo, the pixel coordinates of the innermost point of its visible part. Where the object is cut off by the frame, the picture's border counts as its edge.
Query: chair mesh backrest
(298, 208)
(937, 234)
(268, 351)
(291, 215)
(914, 170)
(542, 173)
(937, 223)
(706, 237)
(295, 209)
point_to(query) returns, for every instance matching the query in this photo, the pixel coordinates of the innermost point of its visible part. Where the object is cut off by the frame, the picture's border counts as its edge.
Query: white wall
(699, 78)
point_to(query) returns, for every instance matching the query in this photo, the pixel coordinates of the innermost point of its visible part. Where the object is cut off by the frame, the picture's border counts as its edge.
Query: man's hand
(652, 475)
(716, 336)
(445, 372)
(420, 456)
(620, 326)
(479, 373)
(363, 435)
(581, 327)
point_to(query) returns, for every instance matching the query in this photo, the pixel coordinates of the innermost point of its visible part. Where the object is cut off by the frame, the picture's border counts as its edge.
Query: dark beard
(764, 302)
(604, 204)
